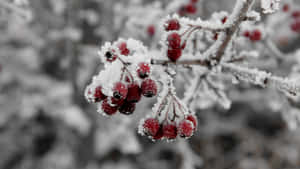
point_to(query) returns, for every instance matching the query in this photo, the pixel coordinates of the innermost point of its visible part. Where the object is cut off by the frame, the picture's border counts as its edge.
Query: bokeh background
(48, 54)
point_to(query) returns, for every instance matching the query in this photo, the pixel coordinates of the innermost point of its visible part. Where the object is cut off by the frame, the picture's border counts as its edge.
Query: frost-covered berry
(174, 41)
(170, 131)
(285, 8)
(172, 24)
(116, 101)
(224, 19)
(143, 70)
(255, 35)
(134, 93)
(127, 108)
(193, 119)
(98, 94)
(296, 14)
(151, 126)
(295, 26)
(107, 108)
(149, 88)
(159, 133)
(174, 54)
(120, 90)
(185, 128)
(110, 56)
(123, 49)
(151, 30)
(191, 8)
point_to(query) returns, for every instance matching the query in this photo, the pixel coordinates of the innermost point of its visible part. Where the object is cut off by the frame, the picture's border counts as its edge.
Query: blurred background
(48, 54)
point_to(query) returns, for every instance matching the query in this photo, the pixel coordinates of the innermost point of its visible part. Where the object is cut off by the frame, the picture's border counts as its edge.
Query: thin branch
(181, 62)
(262, 78)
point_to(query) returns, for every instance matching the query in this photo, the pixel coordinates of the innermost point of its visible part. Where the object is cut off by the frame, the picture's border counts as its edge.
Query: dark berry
(149, 88)
(216, 36)
(246, 34)
(174, 41)
(170, 131)
(224, 19)
(296, 14)
(151, 30)
(143, 70)
(255, 35)
(115, 101)
(191, 8)
(98, 94)
(174, 54)
(159, 133)
(134, 93)
(185, 128)
(120, 90)
(127, 108)
(110, 57)
(151, 126)
(123, 49)
(285, 8)
(172, 24)
(107, 108)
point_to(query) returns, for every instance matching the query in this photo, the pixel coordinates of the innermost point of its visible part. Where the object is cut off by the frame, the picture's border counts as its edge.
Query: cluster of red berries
(174, 40)
(189, 8)
(254, 35)
(156, 131)
(127, 91)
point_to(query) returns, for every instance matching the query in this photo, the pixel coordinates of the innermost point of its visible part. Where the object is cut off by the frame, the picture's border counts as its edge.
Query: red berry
(174, 40)
(246, 34)
(295, 26)
(255, 35)
(127, 108)
(170, 131)
(110, 57)
(123, 49)
(224, 19)
(174, 54)
(149, 88)
(159, 133)
(116, 101)
(143, 70)
(151, 30)
(120, 91)
(216, 36)
(134, 93)
(193, 1)
(107, 108)
(185, 128)
(193, 119)
(296, 14)
(285, 8)
(151, 126)
(98, 94)
(172, 24)
(191, 8)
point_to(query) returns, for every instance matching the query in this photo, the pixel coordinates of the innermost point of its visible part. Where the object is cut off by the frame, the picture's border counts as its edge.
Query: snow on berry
(193, 119)
(143, 70)
(98, 95)
(185, 128)
(174, 54)
(169, 131)
(120, 90)
(149, 88)
(123, 49)
(149, 127)
(107, 108)
(172, 24)
(174, 41)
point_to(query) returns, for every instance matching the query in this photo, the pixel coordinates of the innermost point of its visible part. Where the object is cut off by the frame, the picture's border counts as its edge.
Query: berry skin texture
(193, 119)
(98, 94)
(120, 91)
(123, 49)
(110, 57)
(185, 128)
(149, 88)
(143, 70)
(174, 41)
(191, 8)
(170, 131)
(151, 30)
(255, 35)
(172, 24)
(295, 26)
(134, 93)
(174, 54)
(159, 133)
(285, 8)
(127, 108)
(151, 126)
(107, 108)
(246, 34)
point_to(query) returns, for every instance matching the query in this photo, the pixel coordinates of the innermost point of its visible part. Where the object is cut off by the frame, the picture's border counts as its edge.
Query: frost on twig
(262, 78)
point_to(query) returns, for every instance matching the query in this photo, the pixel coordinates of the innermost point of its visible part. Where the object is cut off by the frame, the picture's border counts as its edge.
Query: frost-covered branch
(14, 8)
(262, 78)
